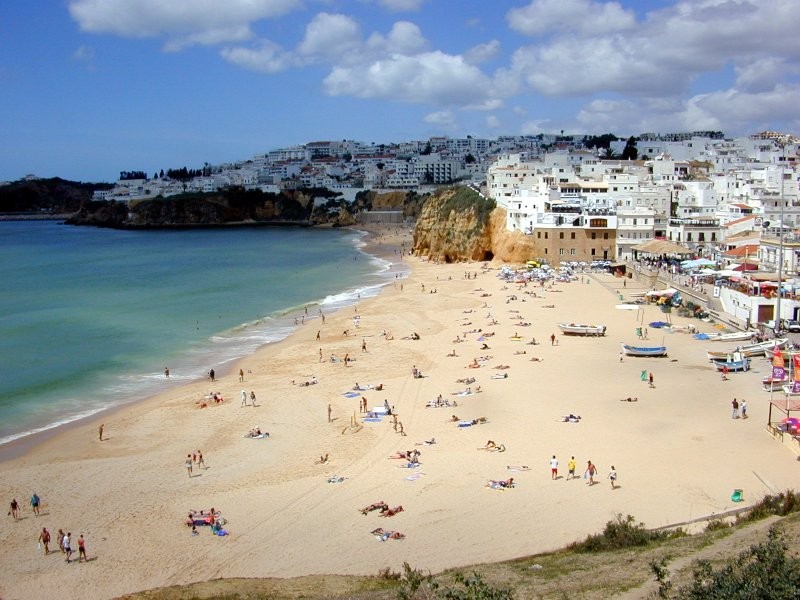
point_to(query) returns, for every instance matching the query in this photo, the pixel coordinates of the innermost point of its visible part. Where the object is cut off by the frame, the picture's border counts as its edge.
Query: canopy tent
(661, 247)
(745, 266)
(698, 262)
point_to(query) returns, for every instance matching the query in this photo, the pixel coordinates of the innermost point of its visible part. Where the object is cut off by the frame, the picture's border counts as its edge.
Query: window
(592, 251)
(545, 234)
(572, 252)
(539, 234)
(605, 235)
(713, 237)
(594, 235)
(561, 235)
(572, 235)
(545, 250)
(561, 251)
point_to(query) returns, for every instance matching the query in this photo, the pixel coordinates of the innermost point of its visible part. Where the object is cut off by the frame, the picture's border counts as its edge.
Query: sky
(89, 88)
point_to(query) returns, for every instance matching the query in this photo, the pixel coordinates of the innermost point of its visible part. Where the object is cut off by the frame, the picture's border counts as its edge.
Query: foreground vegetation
(751, 555)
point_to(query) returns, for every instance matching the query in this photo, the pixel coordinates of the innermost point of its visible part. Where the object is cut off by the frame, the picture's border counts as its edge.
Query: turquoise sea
(90, 317)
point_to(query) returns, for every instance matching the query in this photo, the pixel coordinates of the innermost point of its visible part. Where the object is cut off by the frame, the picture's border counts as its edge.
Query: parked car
(793, 326)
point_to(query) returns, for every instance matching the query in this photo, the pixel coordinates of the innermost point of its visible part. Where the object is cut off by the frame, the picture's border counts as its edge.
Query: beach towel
(737, 496)
(372, 419)
(465, 423)
(411, 465)
(351, 394)
(414, 476)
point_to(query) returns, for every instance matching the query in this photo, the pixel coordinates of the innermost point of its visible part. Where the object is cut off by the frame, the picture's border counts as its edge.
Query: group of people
(194, 458)
(64, 544)
(589, 473)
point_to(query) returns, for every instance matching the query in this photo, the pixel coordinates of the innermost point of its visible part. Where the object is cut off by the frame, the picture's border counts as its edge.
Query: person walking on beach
(241, 375)
(363, 345)
(189, 464)
(650, 379)
(552, 339)
(571, 468)
(67, 547)
(61, 540)
(35, 502)
(44, 540)
(744, 409)
(253, 398)
(612, 475)
(318, 339)
(82, 549)
(591, 471)
(200, 461)
(166, 372)
(330, 410)
(244, 398)
(554, 467)
(735, 409)
(14, 509)
(211, 375)
(100, 431)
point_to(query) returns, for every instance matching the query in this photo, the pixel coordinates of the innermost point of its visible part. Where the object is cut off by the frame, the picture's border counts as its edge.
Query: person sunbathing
(401, 455)
(485, 346)
(490, 445)
(453, 353)
(508, 483)
(500, 376)
(629, 399)
(454, 419)
(570, 418)
(537, 359)
(474, 364)
(387, 535)
(533, 342)
(322, 460)
(390, 512)
(429, 442)
(479, 420)
(502, 367)
(467, 380)
(374, 506)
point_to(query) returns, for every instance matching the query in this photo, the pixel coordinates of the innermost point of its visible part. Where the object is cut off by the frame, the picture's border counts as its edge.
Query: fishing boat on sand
(774, 384)
(759, 348)
(644, 350)
(737, 362)
(573, 329)
(736, 336)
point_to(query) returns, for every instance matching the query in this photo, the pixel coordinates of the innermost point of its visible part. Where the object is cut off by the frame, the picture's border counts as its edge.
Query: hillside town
(735, 203)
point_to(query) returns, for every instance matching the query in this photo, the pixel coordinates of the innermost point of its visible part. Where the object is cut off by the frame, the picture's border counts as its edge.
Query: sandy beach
(677, 451)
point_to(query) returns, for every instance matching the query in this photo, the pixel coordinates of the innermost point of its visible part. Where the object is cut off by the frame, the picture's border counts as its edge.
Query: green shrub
(619, 534)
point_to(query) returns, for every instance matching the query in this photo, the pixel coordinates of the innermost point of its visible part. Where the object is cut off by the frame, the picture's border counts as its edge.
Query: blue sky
(89, 88)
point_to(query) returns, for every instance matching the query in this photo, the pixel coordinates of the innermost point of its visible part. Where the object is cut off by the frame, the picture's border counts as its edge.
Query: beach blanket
(336, 479)
(260, 436)
(351, 394)
(372, 419)
(411, 465)
(414, 476)
(465, 423)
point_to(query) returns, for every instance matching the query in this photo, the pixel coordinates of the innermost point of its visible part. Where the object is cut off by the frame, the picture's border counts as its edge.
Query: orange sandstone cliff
(460, 225)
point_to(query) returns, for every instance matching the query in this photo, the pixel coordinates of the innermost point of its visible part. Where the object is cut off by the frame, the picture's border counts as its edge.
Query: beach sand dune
(677, 451)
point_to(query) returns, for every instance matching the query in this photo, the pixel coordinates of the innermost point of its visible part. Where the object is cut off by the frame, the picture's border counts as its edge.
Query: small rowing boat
(644, 350)
(573, 329)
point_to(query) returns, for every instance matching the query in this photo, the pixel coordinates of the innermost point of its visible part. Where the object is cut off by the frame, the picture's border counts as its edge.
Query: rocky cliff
(460, 225)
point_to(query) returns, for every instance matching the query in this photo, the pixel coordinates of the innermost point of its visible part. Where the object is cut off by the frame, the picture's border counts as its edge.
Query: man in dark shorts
(82, 549)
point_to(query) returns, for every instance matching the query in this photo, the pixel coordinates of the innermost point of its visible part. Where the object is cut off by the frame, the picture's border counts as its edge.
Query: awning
(661, 247)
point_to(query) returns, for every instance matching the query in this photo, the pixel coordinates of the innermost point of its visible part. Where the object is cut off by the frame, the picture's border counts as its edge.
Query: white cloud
(762, 74)
(732, 111)
(404, 38)
(401, 5)
(83, 54)
(663, 54)
(580, 16)
(431, 77)
(444, 119)
(181, 22)
(332, 35)
(492, 122)
(265, 57)
(482, 52)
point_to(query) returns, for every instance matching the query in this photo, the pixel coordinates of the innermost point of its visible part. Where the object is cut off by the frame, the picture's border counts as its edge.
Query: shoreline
(18, 447)
(672, 448)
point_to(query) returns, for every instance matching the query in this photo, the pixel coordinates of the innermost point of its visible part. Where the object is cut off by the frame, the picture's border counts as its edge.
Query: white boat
(759, 348)
(644, 350)
(574, 329)
(771, 384)
(736, 336)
